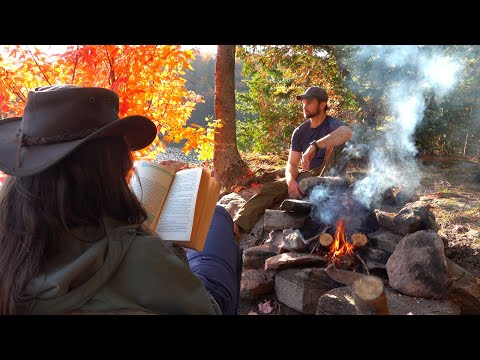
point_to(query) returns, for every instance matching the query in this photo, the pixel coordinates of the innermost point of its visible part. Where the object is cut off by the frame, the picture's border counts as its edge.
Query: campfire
(338, 249)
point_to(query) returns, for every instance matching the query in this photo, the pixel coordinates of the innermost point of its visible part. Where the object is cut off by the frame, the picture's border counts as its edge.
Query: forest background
(400, 100)
(414, 110)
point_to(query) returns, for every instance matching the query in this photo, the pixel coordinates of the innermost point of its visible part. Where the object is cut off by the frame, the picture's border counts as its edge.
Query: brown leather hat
(59, 118)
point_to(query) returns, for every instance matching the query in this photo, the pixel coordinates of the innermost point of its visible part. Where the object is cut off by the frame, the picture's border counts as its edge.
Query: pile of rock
(403, 249)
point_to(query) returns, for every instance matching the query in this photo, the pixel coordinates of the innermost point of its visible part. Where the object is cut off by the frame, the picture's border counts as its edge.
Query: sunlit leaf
(147, 78)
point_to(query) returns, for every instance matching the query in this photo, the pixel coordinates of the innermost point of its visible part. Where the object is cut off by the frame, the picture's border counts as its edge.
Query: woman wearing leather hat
(71, 234)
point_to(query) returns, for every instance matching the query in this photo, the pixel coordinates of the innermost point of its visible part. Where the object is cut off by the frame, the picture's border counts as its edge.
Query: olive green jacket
(123, 270)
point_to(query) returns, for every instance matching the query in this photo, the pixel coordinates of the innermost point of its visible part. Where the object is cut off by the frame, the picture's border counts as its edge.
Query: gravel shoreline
(174, 153)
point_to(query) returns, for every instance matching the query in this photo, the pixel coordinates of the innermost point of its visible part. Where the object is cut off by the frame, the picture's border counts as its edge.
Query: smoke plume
(409, 73)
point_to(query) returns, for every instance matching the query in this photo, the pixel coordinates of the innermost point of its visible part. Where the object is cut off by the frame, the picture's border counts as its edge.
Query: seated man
(316, 144)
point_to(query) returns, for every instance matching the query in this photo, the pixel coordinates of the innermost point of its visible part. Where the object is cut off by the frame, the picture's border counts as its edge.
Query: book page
(151, 188)
(176, 219)
(207, 198)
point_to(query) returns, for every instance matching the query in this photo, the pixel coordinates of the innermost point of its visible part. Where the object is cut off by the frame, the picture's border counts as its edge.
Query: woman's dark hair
(37, 211)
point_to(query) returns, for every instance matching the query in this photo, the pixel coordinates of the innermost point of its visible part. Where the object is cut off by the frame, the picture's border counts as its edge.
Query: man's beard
(309, 115)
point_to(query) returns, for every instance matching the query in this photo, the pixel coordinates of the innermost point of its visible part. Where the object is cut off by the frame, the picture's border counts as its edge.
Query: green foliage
(251, 137)
(274, 75)
(358, 82)
(201, 79)
(449, 129)
(451, 124)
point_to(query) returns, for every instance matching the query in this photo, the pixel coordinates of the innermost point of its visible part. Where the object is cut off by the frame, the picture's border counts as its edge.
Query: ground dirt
(450, 185)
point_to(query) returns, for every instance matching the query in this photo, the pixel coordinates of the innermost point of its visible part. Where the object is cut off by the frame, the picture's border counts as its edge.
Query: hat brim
(305, 96)
(309, 97)
(139, 132)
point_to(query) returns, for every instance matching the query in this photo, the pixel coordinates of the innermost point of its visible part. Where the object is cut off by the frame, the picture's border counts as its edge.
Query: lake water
(176, 153)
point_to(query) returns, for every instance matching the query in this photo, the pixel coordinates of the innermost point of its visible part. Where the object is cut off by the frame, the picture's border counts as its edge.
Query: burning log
(369, 296)
(316, 239)
(358, 239)
(325, 239)
(345, 261)
(340, 252)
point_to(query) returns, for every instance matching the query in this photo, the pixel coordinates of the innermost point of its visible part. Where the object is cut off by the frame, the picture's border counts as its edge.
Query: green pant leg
(269, 194)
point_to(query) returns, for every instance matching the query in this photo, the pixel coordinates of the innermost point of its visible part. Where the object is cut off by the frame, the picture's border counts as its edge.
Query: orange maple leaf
(129, 70)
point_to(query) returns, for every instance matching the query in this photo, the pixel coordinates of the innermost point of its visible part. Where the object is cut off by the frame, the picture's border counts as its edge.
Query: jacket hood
(86, 262)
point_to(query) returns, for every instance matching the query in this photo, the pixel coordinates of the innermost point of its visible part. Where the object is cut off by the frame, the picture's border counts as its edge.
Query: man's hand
(307, 156)
(294, 190)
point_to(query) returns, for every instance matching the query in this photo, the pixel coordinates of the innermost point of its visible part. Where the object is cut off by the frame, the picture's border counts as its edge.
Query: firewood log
(325, 239)
(345, 277)
(358, 239)
(369, 296)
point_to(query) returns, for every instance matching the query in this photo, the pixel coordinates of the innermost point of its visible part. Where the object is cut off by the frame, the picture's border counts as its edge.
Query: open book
(180, 205)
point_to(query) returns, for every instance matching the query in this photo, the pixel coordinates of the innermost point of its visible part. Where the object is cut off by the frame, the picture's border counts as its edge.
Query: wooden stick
(363, 262)
(326, 161)
(312, 239)
(314, 248)
(369, 296)
(315, 237)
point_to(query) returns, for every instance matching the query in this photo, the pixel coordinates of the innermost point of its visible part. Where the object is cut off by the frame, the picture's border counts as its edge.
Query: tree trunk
(229, 168)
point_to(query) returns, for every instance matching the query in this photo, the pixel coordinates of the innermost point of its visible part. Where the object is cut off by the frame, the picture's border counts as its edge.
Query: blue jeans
(219, 264)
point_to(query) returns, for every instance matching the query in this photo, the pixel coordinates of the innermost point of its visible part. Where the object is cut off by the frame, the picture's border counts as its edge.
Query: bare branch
(76, 62)
(38, 65)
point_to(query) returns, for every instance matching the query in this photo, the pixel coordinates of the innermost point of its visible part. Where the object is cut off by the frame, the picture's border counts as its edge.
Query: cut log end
(368, 288)
(325, 239)
(369, 296)
(359, 239)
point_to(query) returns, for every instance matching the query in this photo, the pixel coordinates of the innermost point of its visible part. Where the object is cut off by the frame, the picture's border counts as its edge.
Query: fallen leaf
(237, 188)
(265, 307)
(459, 228)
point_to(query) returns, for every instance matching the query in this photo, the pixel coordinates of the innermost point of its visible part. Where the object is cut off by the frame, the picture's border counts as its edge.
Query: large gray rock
(418, 266)
(301, 288)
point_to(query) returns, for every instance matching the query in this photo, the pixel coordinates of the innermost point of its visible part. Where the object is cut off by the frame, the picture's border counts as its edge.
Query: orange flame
(340, 246)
